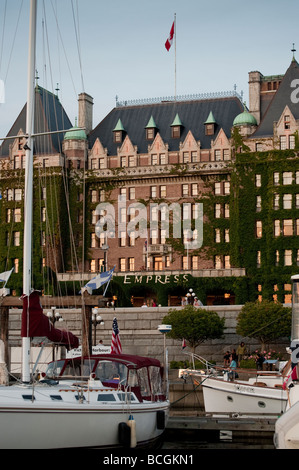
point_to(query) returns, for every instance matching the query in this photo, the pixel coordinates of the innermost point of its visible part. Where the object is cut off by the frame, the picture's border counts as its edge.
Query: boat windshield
(54, 369)
(111, 372)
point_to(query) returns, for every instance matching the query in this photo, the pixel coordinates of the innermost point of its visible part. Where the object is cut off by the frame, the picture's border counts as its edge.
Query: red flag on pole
(170, 38)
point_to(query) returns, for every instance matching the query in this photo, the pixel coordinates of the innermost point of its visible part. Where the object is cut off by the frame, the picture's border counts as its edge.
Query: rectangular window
(276, 178)
(217, 188)
(194, 189)
(185, 190)
(288, 257)
(194, 261)
(258, 259)
(218, 155)
(276, 228)
(258, 181)
(122, 238)
(155, 159)
(276, 202)
(258, 204)
(194, 158)
(227, 261)
(258, 229)
(131, 264)
(287, 201)
(217, 211)
(226, 187)
(163, 191)
(287, 227)
(185, 157)
(287, 177)
(153, 191)
(131, 193)
(226, 154)
(283, 142)
(122, 264)
(291, 141)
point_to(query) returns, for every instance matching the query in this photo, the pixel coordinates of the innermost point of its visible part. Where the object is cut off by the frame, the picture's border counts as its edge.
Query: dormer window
(287, 124)
(150, 129)
(176, 127)
(118, 132)
(210, 125)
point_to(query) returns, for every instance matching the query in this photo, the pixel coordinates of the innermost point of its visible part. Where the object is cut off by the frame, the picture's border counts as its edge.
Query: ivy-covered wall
(255, 180)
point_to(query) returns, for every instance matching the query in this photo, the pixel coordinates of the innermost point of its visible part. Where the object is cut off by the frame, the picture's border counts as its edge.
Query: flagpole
(175, 56)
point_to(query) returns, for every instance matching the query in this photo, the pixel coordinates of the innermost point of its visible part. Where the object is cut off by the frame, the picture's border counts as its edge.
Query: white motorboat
(84, 410)
(264, 397)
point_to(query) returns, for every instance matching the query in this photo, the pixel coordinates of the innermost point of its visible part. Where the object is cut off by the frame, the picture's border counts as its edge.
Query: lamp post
(190, 296)
(96, 320)
(54, 316)
(165, 329)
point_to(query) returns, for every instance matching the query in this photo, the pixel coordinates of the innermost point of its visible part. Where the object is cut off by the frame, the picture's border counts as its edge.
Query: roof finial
(293, 50)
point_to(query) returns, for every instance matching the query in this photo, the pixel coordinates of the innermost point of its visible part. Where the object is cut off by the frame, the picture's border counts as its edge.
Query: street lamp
(54, 316)
(96, 320)
(190, 296)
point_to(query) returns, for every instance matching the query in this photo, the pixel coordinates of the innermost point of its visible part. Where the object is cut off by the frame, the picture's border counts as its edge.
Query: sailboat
(76, 404)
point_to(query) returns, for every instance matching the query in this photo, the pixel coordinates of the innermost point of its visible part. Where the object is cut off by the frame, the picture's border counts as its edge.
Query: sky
(110, 49)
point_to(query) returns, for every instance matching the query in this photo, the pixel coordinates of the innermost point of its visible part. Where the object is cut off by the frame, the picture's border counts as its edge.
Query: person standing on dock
(240, 352)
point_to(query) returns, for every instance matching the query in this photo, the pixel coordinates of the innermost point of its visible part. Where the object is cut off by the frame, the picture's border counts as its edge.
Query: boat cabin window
(155, 380)
(144, 382)
(106, 397)
(111, 371)
(126, 397)
(133, 378)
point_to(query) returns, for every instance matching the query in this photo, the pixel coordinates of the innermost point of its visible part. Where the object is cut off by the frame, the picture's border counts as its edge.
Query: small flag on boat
(183, 343)
(98, 281)
(5, 276)
(293, 376)
(115, 341)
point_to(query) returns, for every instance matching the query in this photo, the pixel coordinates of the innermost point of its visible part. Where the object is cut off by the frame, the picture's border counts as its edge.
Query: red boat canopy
(40, 325)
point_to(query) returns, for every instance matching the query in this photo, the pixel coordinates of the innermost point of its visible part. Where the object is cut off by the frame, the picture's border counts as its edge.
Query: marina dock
(190, 427)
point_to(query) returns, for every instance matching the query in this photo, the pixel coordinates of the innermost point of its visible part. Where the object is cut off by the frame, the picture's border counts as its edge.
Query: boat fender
(132, 424)
(124, 434)
(160, 419)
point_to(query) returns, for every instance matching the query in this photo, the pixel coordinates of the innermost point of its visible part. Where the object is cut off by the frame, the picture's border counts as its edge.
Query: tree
(265, 321)
(195, 325)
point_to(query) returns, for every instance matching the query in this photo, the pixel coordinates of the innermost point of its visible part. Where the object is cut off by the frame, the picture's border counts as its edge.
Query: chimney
(85, 112)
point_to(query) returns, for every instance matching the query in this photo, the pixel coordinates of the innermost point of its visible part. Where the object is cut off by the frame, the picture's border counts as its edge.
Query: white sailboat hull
(242, 398)
(67, 423)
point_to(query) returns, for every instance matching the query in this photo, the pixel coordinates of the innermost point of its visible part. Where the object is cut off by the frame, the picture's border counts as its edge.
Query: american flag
(115, 341)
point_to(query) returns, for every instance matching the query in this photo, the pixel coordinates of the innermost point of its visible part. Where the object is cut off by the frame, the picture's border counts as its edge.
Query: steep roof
(49, 116)
(285, 95)
(192, 114)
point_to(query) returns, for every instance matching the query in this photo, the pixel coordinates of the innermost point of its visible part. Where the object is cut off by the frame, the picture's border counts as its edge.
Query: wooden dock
(205, 428)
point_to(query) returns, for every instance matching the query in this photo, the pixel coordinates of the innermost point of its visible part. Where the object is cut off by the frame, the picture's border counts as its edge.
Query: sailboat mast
(28, 193)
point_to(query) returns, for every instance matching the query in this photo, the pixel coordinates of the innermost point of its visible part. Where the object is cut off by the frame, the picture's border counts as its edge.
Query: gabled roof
(285, 95)
(192, 114)
(49, 116)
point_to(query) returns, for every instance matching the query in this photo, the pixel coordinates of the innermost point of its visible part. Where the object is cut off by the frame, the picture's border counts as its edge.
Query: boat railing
(196, 357)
